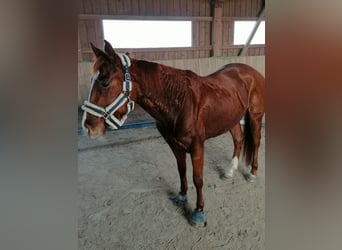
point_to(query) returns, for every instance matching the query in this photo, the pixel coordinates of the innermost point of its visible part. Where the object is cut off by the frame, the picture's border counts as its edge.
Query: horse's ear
(97, 51)
(109, 49)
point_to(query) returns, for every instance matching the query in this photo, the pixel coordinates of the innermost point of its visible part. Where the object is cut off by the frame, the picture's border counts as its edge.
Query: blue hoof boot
(197, 219)
(180, 200)
(250, 178)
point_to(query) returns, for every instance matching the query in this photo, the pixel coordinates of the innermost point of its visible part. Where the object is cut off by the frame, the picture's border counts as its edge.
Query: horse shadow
(185, 209)
(221, 162)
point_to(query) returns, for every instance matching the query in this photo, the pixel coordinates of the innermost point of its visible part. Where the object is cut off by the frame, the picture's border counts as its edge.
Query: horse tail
(248, 141)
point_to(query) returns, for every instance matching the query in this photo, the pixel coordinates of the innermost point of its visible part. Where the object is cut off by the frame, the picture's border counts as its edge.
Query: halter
(107, 113)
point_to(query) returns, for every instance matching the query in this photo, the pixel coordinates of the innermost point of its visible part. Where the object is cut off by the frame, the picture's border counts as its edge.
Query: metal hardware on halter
(105, 114)
(108, 112)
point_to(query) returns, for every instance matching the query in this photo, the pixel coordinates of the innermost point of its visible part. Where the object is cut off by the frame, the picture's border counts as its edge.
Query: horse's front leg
(180, 155)
(197, 152)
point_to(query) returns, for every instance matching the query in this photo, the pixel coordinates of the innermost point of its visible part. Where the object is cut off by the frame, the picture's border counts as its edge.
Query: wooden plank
(119, 7)
(97, 7)
(126, 7)
(166, 55)
(183, 11)
(134, 7)
(183, 55)
(176, 8)
(201, 33)
(217, 28)
(87, 6)
(171, 55)
(188, 8)
(195, 33)
(225, 33)
(207, 33)
(196, 7)
(239, 18)
(82, 31)
(91, 33)
(203, 54)
(163, 8)
(243, 8)
(225, 8)
(196, 53)
(79, 50)
(190, 54)
(254, 50)
(202, 8)
(250, 52)
(81, 6)
(237, 8)
(254, 8)
(156, 8)
(142, 7)
(249, 11)
(112, 7)
(157, 50)
(149, 8)
(231, 8)
(135, 17)
(99, 31)
(207, 8)
(170, 8)
(103, 6)
(231, 33)
(241, 46)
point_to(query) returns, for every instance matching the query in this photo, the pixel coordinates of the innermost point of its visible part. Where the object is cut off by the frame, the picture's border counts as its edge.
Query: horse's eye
(105, 84)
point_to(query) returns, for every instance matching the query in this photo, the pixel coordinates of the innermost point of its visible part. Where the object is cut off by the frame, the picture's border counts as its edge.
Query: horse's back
(230, 93)
(240, 70)
(247, 79)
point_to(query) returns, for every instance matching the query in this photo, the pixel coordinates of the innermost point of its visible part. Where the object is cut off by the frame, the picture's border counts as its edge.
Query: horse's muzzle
(98, 131)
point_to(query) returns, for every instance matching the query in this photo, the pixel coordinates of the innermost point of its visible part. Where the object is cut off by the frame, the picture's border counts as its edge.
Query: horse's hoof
(228, 174)
(197, 219)
(180, 200)
(250, 177)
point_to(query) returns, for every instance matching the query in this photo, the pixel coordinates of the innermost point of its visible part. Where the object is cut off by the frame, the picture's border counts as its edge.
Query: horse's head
(109, 99)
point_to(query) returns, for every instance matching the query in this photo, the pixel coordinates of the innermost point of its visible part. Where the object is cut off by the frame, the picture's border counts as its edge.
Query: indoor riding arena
(128, 179)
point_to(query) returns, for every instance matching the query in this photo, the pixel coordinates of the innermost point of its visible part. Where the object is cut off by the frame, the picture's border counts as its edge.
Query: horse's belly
(219, 123)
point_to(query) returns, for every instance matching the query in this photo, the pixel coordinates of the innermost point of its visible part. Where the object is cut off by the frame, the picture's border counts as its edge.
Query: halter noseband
(107, 113)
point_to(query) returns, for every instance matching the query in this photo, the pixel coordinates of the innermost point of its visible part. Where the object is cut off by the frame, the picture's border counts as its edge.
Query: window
(147, 34)
(242, 30)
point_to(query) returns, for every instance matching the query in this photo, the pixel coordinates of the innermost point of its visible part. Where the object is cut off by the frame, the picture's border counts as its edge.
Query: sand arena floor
(127, 179)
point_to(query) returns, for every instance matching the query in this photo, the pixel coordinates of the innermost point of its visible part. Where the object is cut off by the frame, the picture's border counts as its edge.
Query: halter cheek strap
(107, 113)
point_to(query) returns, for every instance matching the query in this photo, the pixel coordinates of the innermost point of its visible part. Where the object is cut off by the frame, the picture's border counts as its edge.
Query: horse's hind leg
(236, 133)
(256, 124)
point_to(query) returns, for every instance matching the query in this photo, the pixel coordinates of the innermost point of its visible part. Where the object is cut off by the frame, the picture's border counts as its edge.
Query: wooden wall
(200, 12)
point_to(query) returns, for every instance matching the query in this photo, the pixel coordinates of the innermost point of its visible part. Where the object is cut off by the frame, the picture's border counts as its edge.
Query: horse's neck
(153, 93)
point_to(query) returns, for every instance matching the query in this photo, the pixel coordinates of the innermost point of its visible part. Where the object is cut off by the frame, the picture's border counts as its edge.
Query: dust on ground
(126, 182)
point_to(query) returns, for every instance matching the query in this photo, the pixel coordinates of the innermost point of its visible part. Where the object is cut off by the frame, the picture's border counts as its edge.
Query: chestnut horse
(188, 110)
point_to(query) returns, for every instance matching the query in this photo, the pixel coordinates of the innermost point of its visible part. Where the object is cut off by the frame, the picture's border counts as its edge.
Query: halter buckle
(127, 76)
(105, 115)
